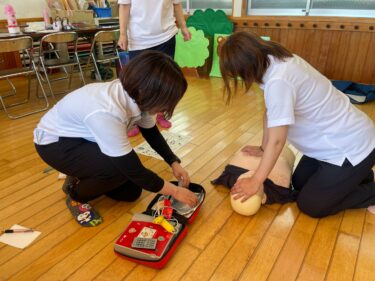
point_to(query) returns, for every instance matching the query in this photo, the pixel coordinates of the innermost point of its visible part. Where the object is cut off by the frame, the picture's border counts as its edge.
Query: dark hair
(154, 81)
(244, 55)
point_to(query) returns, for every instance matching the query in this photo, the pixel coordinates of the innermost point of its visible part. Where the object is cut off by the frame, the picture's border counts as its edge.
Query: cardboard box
(115, 11)
(75, 16)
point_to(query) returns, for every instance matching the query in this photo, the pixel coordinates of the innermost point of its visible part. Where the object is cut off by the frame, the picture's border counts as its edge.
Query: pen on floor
(18, 230)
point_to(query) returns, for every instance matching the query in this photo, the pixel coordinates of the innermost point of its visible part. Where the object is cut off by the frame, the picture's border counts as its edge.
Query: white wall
(24, 8)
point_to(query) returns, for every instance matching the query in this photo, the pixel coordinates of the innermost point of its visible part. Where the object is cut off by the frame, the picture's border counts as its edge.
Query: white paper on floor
(175, 142)
(19, 240)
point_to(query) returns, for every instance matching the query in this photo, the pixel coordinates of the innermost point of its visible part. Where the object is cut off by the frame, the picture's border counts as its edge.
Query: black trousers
(168, 48)
(326, 189)
(97, 175)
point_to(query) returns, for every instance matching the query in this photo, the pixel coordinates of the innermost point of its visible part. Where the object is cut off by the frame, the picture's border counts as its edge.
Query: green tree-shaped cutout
(192, 53)
(210, 22)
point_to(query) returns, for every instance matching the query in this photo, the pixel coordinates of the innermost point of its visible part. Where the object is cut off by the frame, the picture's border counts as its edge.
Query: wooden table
(12, 60)
(82, 32)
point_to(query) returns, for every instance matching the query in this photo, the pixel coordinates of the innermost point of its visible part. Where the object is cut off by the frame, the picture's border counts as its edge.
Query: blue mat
(358, 93)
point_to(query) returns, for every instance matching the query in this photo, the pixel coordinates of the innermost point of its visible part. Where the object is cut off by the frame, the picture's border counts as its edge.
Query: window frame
(310, 11)
(189, 8)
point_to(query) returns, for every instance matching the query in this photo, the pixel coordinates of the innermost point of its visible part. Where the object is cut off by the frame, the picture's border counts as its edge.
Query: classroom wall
(24, 8)
(340, 48)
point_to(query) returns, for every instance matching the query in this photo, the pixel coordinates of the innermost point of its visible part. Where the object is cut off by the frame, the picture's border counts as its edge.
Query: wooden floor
(278, 243)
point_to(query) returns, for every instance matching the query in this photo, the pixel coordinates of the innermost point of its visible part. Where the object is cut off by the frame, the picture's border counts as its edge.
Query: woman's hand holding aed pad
(180, 173)
(186, 196)
(182, 194)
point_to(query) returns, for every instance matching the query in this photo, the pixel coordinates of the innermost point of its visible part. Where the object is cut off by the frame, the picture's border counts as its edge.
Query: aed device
(152, 237)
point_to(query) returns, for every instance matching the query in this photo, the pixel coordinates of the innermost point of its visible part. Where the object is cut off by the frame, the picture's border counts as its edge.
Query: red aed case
(142, 227)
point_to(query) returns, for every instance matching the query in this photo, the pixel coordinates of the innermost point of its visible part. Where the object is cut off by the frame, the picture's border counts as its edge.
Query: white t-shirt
(98, 112)
(151, 22)
(323, 124)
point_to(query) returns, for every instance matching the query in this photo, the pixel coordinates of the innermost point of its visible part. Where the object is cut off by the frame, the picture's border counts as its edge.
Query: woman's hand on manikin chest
(244, 188)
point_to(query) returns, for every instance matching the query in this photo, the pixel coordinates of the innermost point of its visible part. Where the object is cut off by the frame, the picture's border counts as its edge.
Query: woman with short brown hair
(85, 136)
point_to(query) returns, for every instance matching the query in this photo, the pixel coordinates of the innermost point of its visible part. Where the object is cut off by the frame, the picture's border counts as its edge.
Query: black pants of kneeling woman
(97, 175)
(326, 189)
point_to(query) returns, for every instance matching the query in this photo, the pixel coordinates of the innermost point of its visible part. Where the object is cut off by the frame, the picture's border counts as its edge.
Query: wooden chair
(23, 45)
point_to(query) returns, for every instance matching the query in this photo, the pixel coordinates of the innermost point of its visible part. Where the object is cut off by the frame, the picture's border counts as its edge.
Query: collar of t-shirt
(268, 74)
(132, 107)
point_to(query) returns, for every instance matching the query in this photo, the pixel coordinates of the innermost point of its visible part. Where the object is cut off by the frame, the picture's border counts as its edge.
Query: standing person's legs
(133, 54)
(168, 48)
(331, 189)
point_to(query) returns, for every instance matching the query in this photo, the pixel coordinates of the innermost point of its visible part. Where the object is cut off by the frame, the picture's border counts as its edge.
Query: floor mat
(175, 142)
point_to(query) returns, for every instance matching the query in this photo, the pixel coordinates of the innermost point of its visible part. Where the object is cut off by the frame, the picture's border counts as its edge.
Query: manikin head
(280, 175)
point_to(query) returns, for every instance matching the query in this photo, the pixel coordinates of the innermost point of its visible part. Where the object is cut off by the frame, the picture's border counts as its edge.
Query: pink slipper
(371, 209)
(133, 132)
(164, 123)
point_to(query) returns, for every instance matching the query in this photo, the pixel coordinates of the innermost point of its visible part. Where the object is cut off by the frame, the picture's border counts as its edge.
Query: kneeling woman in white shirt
(85, 136)
(336, 139)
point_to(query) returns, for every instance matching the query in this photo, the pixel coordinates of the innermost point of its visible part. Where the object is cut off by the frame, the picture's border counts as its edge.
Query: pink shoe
(371, 209)
(133, 132)
(164, 123)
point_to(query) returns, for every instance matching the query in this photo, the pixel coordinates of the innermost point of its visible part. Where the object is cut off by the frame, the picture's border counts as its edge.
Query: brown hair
(154, 81)
(244, 55)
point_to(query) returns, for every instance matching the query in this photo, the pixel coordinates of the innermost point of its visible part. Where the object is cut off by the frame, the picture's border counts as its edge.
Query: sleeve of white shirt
(279, 98)
(147, 121)
(109, 133)
(124, 2)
